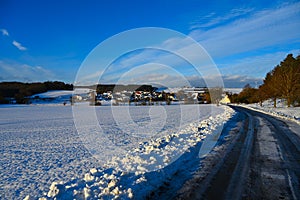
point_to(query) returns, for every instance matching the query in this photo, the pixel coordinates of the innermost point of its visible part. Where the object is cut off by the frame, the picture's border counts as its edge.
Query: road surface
(261, 162)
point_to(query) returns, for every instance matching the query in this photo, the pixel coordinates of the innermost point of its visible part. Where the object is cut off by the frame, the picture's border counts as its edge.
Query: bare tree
(215, 94)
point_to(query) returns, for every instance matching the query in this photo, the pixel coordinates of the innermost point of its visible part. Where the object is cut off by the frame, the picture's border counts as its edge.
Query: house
(225, 100)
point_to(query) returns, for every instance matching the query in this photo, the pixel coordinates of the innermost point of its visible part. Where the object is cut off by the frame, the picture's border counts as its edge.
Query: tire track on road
(261, 162)
(288, 146)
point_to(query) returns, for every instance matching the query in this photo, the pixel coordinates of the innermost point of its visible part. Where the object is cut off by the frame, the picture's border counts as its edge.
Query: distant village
(106, 94)
(146, 95)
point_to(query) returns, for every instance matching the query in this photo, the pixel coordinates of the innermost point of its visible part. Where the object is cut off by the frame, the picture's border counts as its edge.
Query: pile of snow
(281, 110)
(128, 176)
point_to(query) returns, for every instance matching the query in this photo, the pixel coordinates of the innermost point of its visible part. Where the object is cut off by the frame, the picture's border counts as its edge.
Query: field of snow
(38, 145)
(43, 155)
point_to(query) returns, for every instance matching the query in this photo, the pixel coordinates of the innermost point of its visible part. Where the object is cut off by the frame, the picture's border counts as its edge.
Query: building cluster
(162, 96)
(139, 97)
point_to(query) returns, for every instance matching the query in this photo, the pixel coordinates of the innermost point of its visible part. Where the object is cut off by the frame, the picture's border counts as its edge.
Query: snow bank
(146, 167)
(282, 111)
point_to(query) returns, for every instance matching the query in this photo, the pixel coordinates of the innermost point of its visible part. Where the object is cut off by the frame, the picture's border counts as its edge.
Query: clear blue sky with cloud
(48, 40)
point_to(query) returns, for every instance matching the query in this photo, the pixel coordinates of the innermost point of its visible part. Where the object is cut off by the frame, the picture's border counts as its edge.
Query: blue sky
(49, 40)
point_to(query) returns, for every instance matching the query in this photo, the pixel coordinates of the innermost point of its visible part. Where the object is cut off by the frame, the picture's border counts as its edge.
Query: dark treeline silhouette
(19, 91)
(281, 82)
(101, 88)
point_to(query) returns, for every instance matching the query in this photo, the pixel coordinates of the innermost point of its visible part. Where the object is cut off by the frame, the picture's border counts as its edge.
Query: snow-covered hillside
(57, 96)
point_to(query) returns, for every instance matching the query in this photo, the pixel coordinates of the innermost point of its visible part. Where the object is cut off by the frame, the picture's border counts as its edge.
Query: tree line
(102, 88)
(20, 91)
(281, 82)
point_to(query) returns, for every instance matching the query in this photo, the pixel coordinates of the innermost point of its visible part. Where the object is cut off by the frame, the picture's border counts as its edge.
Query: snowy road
(262, 161)
(275, 165)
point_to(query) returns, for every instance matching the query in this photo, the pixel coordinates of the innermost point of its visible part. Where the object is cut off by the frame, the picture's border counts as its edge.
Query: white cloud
(15, 43)
(211, 19)
(178, 53)
(166, 80)
(19, 46)
(239, 81)
(90, 79)
(262, 29)
(158, 74)
(257, 66)
(4, 32)
(13, 71)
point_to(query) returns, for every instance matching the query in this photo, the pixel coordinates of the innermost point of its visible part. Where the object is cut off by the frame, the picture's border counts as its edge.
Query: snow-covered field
(38, 145)
(43, 155)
